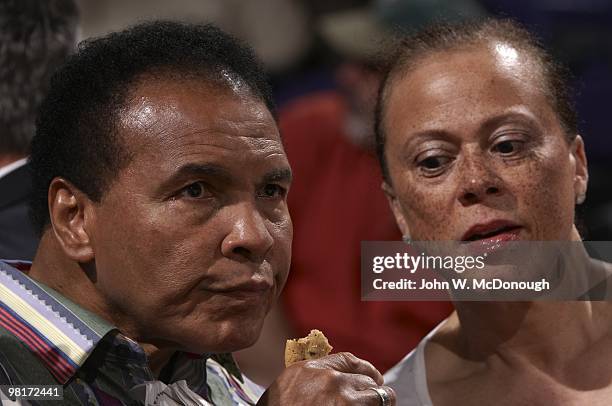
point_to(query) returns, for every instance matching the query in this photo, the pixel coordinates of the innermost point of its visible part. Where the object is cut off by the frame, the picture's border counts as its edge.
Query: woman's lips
(485, 238)
(490, 230)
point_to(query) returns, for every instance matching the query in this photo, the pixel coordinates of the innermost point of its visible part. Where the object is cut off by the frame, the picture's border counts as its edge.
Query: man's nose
(249, 238)
(478, 181)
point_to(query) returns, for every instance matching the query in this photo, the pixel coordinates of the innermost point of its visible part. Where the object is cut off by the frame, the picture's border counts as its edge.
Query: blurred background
(322, 56)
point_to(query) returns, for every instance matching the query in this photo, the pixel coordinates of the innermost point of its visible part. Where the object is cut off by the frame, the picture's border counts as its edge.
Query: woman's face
(475, 150)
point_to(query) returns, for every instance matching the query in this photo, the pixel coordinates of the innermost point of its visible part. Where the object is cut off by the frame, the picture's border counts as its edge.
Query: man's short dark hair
(440, 37)
(77, 135)
(36, 36)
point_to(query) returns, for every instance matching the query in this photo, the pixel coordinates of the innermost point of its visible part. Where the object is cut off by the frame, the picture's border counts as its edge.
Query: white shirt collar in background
(5, 170)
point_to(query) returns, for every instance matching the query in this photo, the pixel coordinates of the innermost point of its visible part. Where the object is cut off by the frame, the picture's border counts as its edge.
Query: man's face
(192, 241)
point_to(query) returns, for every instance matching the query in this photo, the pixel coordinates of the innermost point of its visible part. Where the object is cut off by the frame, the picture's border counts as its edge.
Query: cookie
(313, 346)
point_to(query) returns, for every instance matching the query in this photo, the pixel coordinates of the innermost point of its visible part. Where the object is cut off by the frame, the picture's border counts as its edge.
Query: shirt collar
(59, 332)
(6, 169)
(63, 336)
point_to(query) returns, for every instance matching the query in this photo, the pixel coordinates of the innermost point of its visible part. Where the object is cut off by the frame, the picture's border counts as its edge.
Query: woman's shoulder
(408, 378)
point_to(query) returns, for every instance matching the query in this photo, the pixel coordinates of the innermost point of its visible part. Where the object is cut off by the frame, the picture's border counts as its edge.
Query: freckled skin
(472, 138)
(164, 248)
(452, 96)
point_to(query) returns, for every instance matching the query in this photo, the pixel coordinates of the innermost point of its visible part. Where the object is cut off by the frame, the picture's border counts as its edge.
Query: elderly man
(160, 185)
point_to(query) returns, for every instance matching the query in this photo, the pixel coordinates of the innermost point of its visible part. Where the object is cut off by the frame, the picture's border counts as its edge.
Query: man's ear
(397, 209)
(70, 212)
(581, 172)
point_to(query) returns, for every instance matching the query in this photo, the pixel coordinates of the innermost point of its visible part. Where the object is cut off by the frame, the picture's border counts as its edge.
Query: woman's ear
(70, 212)
(581, 172)
(396, 208)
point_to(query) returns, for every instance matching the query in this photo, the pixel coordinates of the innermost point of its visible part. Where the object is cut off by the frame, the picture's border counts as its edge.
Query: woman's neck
(541, 332)
(545, 334)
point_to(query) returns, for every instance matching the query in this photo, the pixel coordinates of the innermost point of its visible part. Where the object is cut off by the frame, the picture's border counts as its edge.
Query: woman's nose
(479, 182)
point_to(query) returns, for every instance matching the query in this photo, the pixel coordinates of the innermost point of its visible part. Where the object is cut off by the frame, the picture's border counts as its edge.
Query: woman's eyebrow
(486, 127)
(511, 116)
(425, 135)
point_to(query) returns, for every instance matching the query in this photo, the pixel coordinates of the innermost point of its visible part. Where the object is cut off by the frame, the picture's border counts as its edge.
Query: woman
(478, 141)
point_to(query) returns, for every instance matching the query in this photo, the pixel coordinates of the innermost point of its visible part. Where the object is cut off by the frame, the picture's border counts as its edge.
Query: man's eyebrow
(192, 170)
(203, 170)
(278, 175)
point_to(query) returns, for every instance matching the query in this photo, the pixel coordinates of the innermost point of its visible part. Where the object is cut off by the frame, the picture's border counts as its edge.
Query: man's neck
(74, 282)
(158, 358)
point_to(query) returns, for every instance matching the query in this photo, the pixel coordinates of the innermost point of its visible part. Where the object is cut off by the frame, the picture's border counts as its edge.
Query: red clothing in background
(335, 203)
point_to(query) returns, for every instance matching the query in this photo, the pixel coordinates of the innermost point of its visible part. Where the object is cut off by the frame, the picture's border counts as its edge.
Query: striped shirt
(45, 339)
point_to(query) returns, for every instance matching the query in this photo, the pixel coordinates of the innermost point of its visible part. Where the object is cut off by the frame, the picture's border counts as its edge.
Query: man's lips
(251, 286)
(499, 230)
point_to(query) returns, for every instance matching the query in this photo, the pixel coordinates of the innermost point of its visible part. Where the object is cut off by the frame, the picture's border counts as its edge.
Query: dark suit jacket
(17, 238)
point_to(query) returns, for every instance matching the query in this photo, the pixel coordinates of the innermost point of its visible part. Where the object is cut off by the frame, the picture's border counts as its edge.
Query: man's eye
(508, 147)
(272, 191)
(196, 190)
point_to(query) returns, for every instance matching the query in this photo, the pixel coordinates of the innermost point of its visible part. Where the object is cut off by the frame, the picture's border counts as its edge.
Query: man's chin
(225, 339)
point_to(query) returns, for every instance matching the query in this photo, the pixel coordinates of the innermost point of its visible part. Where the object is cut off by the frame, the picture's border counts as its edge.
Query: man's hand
(337, 379)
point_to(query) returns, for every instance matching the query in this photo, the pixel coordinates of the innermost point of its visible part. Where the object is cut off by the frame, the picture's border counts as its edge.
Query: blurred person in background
(478, 141)
(336, 202)
(36, 36)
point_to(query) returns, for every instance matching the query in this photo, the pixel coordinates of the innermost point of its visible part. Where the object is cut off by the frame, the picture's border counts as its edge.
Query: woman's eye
(272, 191)
(195, 191)
(433, 163)
(508, 147)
